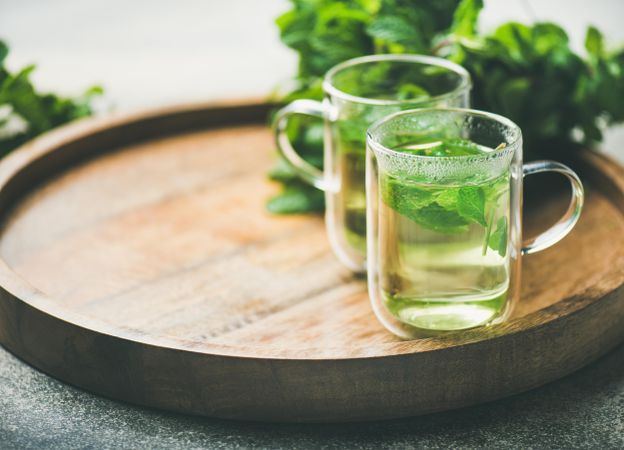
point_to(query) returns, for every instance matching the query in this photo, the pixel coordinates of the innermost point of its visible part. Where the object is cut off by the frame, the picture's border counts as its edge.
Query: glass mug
(444, 192)
(358, 92)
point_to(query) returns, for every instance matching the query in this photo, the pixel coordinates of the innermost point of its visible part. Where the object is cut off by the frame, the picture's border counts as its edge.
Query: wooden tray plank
(136, 176)
(556, 273)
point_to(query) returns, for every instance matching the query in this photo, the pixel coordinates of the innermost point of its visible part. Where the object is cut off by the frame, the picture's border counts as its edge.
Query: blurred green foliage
(560, 99)
(26, 113)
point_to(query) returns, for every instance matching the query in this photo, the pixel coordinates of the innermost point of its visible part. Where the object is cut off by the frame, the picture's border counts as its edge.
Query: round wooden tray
(138, 262)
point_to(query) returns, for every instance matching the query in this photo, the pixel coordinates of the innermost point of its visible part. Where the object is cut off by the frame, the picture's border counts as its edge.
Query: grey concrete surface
(584, 410)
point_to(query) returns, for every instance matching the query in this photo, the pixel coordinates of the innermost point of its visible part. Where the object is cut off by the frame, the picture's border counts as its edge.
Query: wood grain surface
(138, 262)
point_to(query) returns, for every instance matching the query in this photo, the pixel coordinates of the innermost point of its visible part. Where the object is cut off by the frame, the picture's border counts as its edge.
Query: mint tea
(443, 246)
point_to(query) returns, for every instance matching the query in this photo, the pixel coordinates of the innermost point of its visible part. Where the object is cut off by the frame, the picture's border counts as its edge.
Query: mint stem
(488, 230)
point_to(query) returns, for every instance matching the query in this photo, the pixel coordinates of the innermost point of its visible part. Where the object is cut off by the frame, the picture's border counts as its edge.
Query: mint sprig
(498, 240)
(471, 204)
(451, 209)
(33, 112)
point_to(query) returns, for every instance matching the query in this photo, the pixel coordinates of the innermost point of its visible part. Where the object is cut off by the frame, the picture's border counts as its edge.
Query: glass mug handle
(565, 224)
(304, 169)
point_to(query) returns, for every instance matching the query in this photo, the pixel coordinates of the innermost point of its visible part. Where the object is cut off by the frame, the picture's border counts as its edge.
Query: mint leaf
(594, 43)
(403, 197)
(401, 26)
(465, 18)
(471, 204)
(283, 171)
(396, 29)
(353, 132)
(296, 199)
(435, 217)
(411, 91)
(498, 239)
(515, 96)
(4, 51)
(447, 199)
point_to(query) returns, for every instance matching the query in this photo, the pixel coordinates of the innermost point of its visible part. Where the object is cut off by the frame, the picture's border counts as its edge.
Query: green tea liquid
(353, 196)
(444, 261)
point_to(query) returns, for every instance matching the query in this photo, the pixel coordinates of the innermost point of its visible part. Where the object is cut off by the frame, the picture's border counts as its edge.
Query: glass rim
(376, 146)
(329, 88)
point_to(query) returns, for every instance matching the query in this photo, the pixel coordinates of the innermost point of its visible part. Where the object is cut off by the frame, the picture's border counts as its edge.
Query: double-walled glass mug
(444, 191)
(357, 93)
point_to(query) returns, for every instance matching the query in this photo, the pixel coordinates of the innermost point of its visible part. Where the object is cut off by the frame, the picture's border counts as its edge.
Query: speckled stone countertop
(585, 409)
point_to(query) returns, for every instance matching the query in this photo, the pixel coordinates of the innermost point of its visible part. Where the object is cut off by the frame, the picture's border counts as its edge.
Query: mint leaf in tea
(443, 245)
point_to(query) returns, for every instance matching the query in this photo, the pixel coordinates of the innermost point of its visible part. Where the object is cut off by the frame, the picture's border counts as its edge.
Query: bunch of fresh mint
(527, 73)
(26, 113)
